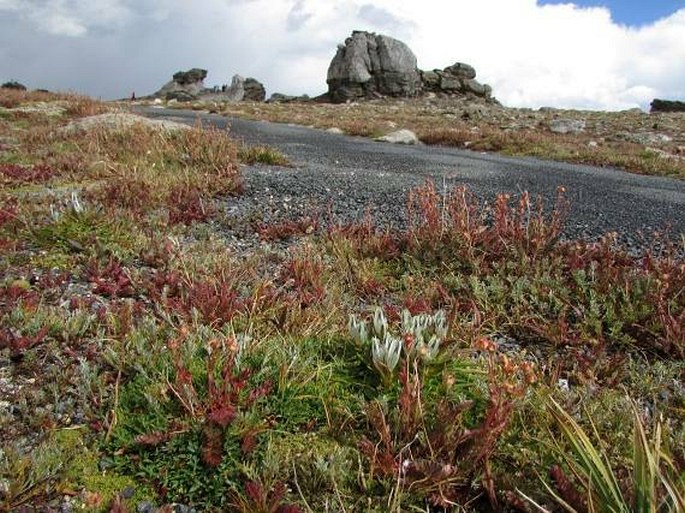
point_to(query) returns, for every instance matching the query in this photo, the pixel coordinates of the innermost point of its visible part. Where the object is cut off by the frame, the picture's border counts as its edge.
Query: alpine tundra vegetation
(159, 354)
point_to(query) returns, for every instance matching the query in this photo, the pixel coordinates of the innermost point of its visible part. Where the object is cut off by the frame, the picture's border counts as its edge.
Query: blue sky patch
(629, 12)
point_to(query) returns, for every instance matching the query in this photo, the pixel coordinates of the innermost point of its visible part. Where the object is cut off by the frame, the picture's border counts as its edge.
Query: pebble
(146, 507)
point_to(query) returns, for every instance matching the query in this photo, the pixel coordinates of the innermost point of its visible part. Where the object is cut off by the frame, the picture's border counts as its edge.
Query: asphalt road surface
(345, 177)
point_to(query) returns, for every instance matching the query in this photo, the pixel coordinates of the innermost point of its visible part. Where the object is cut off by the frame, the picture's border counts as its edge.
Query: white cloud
(532, 55)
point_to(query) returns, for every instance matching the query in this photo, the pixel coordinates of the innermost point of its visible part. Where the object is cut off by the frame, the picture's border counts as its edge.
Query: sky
(597, 54)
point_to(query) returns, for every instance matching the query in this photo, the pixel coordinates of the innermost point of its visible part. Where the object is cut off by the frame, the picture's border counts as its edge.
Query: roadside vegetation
(473, 361)
(652, 144)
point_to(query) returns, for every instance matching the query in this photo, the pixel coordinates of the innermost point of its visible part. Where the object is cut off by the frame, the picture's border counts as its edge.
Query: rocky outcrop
(369, 65)
(658, 105)
(243, 89)
(254, 90)
(13, 84)
(287, 98)
(189, 86)
(236, 91)
(184, 86)
(457, 79)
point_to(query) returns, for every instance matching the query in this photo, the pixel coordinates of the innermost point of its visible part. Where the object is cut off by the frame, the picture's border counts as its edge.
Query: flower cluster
(421, 336)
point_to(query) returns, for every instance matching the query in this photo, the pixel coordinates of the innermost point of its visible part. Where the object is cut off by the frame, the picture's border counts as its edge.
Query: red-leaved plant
(228, 392)
(444, 463)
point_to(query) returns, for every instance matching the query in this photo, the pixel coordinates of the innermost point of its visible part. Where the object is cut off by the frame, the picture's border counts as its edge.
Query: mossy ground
(140, 352)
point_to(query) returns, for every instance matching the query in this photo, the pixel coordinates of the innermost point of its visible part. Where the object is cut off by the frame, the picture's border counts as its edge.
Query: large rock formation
(184, 86)
(368, 65)
(658, 105)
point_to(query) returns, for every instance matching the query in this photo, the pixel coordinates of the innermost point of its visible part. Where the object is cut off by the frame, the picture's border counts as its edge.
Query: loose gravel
(339, 178)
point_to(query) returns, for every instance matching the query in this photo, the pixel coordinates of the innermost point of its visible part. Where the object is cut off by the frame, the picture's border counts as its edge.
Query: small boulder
(402, 136)
(461, 70)
(566, 126)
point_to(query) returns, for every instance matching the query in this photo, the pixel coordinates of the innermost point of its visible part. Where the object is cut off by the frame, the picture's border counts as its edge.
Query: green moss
(82, 471)
(320, 465)
(66, 462)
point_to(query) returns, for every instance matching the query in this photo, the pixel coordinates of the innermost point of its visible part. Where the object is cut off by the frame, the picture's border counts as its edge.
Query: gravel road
(348, 176)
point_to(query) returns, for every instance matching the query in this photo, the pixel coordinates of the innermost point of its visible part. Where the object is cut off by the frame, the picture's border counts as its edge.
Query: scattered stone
(145, 507)
(128, 492)
(370, 65)
(474, 111)
(182, 508)
(403, 136)
(645, 138)
(335, 130)
(563, 385)
(566, 126)
(66, 506)
(658, 105)
(664, 154)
